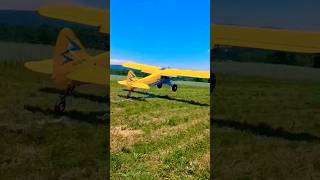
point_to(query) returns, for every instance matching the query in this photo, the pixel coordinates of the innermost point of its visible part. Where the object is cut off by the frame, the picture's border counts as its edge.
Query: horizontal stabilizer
(44, 66)
(124, 82)
(140, 85)
(92, 74)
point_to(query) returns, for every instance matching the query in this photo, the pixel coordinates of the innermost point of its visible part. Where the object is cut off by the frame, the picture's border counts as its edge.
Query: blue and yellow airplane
(158, 76)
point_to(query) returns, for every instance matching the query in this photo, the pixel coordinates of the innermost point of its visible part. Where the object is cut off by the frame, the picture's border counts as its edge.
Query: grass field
(265, 128)
(160, 134)
(37, 144)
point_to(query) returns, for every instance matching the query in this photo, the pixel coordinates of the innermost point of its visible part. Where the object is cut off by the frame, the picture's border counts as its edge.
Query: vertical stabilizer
(68, 54)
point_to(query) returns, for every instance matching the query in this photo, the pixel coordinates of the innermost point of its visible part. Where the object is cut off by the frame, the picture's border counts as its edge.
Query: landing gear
(159, 86)
(174, 87)
(60, 106)
(129, 94)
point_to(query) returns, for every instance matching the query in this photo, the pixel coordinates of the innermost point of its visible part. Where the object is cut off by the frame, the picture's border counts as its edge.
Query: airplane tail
(131, 77)
(68, 54)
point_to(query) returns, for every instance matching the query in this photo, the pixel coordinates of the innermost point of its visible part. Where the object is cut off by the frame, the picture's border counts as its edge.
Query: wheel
(159, 86)
(60, 107)
(174, 88)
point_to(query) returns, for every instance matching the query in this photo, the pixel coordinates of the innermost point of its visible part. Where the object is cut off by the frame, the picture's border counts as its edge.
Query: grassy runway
(265, 128)
(160, 134)
(37, 144)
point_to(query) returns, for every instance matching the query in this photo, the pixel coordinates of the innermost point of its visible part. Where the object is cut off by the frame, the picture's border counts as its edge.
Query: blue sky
(167, 33)
(285, 14)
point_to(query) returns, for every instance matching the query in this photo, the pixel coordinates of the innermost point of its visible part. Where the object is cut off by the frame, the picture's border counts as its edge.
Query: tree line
(90, 38)
(224, 53)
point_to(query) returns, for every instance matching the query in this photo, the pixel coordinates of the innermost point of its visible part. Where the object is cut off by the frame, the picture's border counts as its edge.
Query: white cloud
(119, 61)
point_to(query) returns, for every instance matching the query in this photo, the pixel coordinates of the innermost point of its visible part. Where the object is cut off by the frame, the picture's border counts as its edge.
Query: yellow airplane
(71, 65)
(158, 76)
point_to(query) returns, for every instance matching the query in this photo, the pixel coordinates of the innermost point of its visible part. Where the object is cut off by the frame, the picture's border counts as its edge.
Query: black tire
(174, 88)
(159, 86)
(60, 107)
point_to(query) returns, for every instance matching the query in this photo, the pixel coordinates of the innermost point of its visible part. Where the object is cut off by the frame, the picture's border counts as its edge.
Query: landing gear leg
(60, 106)
(129, 94)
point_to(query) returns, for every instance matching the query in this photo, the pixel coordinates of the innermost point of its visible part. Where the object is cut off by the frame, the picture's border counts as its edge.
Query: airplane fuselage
(152, 80)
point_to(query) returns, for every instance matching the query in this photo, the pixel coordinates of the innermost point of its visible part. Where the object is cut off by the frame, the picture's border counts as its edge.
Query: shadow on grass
(263, 129)
(151, 95)
(76, 94)
(133, 98)
(96, 118)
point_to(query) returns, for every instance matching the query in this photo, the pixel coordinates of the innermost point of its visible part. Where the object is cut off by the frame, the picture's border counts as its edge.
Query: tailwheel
(174, 87)
(159, 86)
(60, 106)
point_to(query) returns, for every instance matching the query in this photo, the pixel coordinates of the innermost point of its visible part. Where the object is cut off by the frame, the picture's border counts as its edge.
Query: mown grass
(35, 143)
(265, 128)
(168, 132)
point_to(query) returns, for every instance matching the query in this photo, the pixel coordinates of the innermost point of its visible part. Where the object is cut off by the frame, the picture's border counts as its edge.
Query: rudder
(68, 54)
(131, 77)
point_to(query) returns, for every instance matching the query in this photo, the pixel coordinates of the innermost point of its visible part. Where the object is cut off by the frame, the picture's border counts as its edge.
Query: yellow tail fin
(68, 54)
(131, 77)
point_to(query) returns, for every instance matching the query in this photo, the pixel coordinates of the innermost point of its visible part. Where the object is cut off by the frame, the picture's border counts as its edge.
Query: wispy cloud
(119, 61)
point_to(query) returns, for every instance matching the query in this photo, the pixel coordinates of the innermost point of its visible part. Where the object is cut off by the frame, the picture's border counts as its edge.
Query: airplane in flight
(71, 65)
(158, 76)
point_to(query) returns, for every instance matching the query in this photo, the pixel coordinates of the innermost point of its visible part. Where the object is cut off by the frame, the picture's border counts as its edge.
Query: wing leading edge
(78, 14)
(167, 72)
(143, 68)
(269, 39)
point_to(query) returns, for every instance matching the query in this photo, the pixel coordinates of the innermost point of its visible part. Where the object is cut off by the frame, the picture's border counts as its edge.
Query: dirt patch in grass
(122, 138)
(203, 162)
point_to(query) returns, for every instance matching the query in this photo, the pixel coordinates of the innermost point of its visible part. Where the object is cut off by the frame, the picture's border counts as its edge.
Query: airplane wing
(44, 66)
(185, 73)
(269, 39)
(142, 68)
(140, 85)
(78, 14)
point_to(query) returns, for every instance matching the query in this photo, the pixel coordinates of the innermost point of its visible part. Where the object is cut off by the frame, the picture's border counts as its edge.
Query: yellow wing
(269, 39)
(83, 15)
(185, 73)
(142, 68)
(44, 66)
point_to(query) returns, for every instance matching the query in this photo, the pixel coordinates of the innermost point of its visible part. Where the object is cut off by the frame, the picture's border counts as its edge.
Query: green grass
(160, 134)
(265, 128)
(37, 144)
